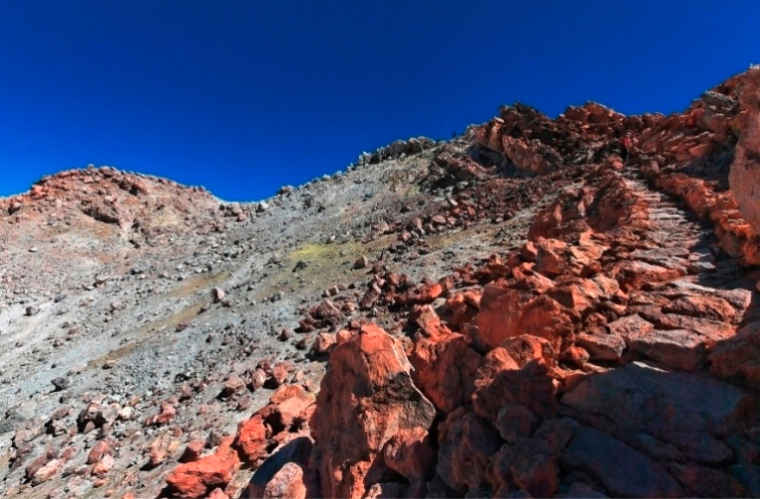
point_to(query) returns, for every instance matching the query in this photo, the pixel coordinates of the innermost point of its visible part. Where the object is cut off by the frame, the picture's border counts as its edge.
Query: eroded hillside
(515, 312)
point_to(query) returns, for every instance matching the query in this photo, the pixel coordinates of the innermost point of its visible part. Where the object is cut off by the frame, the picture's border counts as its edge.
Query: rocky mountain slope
(517, 312)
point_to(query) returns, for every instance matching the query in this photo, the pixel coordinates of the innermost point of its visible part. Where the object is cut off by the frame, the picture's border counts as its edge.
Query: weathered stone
(252, 439)
(465, 452)
(530, 466)
(638, 398)
(367, 397)
(444, 364)
(744, 176)
(505, 313)
(515, 422)
(409, 453)
(614, 464)
(698, 481)
(498, 384)
(199, 478)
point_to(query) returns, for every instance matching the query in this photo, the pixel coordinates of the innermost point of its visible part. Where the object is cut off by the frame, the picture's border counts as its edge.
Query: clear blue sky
(244, 96)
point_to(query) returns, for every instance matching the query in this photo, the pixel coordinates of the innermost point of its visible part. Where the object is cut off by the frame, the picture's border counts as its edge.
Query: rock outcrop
(368, 408)
(744, 177)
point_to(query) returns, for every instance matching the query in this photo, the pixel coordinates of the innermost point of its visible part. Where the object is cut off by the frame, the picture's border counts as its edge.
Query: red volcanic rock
(614, 463)
(551, 257)
(530, 466)
(424, 294)
(367, 397)
(463, 307)
(602, 346)
(160, 448)
(711, 307)
(706, 482)
(98, 451)
(193, 451)
(323, 344)
(327, 313)
(501, 381)
(287, 483)
(444, 364)
(515, 422)
(505, 313)
(543, 317)
(279, 374)
(409, 453)
(744, 177)
(46, 472)
(500, 310)
(285, 473)
(109, 196)
(166, 414)
(465, 451)
(199, 478)
(739, 357)
(633, 274)
(286, 409)
(258, 379)
(233, 385)
(526, 349)
(252, 439)
(103, 466)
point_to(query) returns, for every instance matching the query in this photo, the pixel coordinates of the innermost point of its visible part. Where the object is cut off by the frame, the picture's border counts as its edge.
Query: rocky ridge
(516, 312)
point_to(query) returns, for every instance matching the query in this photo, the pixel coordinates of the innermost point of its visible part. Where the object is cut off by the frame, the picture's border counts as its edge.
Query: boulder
(444, 364)
(529, 466)
(505, 313)
(465, 451)
(738, 358)
(252, 439)
(700, 481)
(622, 470)
(366, 398)
(409, 453)
(501, 381)
(285, 473)
(665, 404)
(197, 479)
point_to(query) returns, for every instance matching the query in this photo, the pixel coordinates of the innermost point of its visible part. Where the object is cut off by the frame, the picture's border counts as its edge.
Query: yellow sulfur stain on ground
(326, 265)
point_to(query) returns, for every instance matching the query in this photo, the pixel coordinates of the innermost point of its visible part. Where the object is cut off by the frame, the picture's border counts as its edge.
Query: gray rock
(622, 470)
(639, 398)
(61, 383)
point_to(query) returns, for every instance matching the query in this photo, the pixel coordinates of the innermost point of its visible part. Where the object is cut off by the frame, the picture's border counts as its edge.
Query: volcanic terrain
(517, 312)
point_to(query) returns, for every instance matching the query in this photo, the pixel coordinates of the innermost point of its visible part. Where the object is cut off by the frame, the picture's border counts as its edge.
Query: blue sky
(245, 96)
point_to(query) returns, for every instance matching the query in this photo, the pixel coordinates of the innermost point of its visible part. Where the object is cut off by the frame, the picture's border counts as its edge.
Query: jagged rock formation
(516, 312)
(744, 179)
(395, 150)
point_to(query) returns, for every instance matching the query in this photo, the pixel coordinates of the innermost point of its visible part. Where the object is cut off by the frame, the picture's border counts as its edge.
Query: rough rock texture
(199, 478)
(744, 177)
(367, 398)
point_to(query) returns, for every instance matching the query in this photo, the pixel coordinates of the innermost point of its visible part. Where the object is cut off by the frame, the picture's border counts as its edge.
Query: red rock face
(367, 398)
(745, 170)
(505, 313)
(444, 363)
